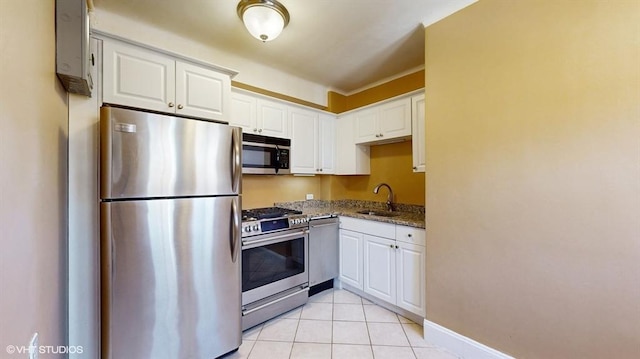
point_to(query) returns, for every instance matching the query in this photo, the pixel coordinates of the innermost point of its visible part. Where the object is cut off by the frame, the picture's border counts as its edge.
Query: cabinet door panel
(418, 133)
(395, 119)
(327, 144)
(351, 258)
(380, 268)
(243, 112)
(304, 141)
(272, 119)
(138, 78)
(411, 269)
(201, 92)
(367, 125)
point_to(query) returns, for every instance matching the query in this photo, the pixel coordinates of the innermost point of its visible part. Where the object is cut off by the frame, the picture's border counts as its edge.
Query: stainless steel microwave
(265, 155)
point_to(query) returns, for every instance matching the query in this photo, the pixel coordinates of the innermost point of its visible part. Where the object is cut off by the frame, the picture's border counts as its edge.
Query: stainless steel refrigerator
(170, 236)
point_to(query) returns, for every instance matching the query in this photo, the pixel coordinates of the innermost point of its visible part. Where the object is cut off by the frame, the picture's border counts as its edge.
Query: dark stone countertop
(405, 215)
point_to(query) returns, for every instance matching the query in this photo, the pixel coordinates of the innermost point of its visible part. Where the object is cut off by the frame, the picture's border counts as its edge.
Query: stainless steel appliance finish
(323, 249)
(275, 263)
(264, 220)
(170, 236)
(265, 155)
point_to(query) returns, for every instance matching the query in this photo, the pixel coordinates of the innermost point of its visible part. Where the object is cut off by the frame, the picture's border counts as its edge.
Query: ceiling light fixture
(264, 19)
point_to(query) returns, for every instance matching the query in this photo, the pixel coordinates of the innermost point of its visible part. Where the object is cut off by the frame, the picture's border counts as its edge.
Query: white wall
(250, 72)
(33, 179)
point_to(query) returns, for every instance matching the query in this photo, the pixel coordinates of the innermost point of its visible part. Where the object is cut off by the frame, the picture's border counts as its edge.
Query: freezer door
(146, 155)
(170, 278)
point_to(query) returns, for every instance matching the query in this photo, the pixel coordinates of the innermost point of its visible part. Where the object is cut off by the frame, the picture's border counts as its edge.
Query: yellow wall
(339, 103)
(33, 178)
(264, 190)
(390, 163)
(533, 138)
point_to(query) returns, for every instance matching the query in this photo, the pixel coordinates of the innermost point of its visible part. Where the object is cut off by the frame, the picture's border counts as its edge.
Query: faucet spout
(390, 205)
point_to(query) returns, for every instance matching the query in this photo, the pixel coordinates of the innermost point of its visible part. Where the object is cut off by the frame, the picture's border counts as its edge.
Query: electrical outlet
(33, 347)
(309, 196)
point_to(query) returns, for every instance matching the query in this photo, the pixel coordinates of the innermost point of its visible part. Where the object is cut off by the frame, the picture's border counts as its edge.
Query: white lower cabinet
(351, 258)
(384, 260)
(410, 268)
(380, 267)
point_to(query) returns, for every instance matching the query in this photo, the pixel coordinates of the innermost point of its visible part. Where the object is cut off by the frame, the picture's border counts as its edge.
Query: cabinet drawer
(411, 235)
(379, 229)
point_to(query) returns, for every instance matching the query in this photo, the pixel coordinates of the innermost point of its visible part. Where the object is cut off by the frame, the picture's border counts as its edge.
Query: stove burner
(266, 213)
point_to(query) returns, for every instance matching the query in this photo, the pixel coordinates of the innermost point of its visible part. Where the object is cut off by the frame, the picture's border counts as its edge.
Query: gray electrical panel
(73, 55)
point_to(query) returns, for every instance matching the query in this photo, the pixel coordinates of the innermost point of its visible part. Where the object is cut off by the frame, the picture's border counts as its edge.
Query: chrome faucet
(389, 197)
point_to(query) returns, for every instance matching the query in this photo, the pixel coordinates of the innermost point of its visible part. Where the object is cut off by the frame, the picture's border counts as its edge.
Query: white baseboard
(459, 344)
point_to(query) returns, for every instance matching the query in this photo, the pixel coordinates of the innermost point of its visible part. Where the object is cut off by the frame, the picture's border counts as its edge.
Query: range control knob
(247, 229)
(256, 227)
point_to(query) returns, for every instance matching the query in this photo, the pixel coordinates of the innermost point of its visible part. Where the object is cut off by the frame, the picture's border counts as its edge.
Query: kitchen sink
(372, 212)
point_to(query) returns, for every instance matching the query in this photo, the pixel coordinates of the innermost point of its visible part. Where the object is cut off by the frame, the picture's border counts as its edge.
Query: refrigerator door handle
(235, 230)
(236, 160)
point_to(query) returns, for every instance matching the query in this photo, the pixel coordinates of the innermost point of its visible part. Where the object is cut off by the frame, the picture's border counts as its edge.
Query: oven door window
(272, 262)
(258, 157)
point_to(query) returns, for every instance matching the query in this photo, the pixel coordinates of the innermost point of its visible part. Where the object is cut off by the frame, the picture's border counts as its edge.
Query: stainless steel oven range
(275, 263)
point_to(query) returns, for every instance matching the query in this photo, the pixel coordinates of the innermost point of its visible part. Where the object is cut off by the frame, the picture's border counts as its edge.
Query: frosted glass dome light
(264, 19)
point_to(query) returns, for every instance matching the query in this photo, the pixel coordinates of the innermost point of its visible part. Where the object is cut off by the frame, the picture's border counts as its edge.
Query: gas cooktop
(271, 219)
(257, 214)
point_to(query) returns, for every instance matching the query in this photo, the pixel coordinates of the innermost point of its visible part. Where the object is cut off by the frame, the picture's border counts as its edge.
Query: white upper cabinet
(418, 135)
(259, 116)
(142, 78)
(386, 122)
(327, 143)
(312, 142)
(202, 92)
(351, 159)
(272, 119)
(304, 141)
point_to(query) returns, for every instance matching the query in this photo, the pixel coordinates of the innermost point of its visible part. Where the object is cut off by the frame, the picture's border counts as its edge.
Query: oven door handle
(273, 240)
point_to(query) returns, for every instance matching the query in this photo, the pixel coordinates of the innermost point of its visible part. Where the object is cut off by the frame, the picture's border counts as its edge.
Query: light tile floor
(338, 324)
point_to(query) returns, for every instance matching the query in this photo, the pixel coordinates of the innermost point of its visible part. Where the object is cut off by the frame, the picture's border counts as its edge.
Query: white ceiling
(345, 45)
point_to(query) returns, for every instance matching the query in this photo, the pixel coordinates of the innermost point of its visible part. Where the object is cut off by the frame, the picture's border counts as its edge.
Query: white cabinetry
(392, 261)
(259, 116)
(351, 258)
(387, 122)
(351, 159)
(142, 78)
(418, 133)
(380, 267)
(327, 143)
(410, 267)
(312, 142)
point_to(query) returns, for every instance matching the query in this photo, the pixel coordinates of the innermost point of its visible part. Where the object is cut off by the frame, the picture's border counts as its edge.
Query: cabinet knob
(397, 247)
(391, 246)
(260, 131)
(415, 168)
(381, 135)
(377, 135)
(320, 170)
(409, 235)
(171, 104)
(180, 107)
(255, 130)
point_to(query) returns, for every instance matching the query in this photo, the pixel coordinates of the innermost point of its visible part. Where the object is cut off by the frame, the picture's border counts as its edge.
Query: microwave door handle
(277, 160)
